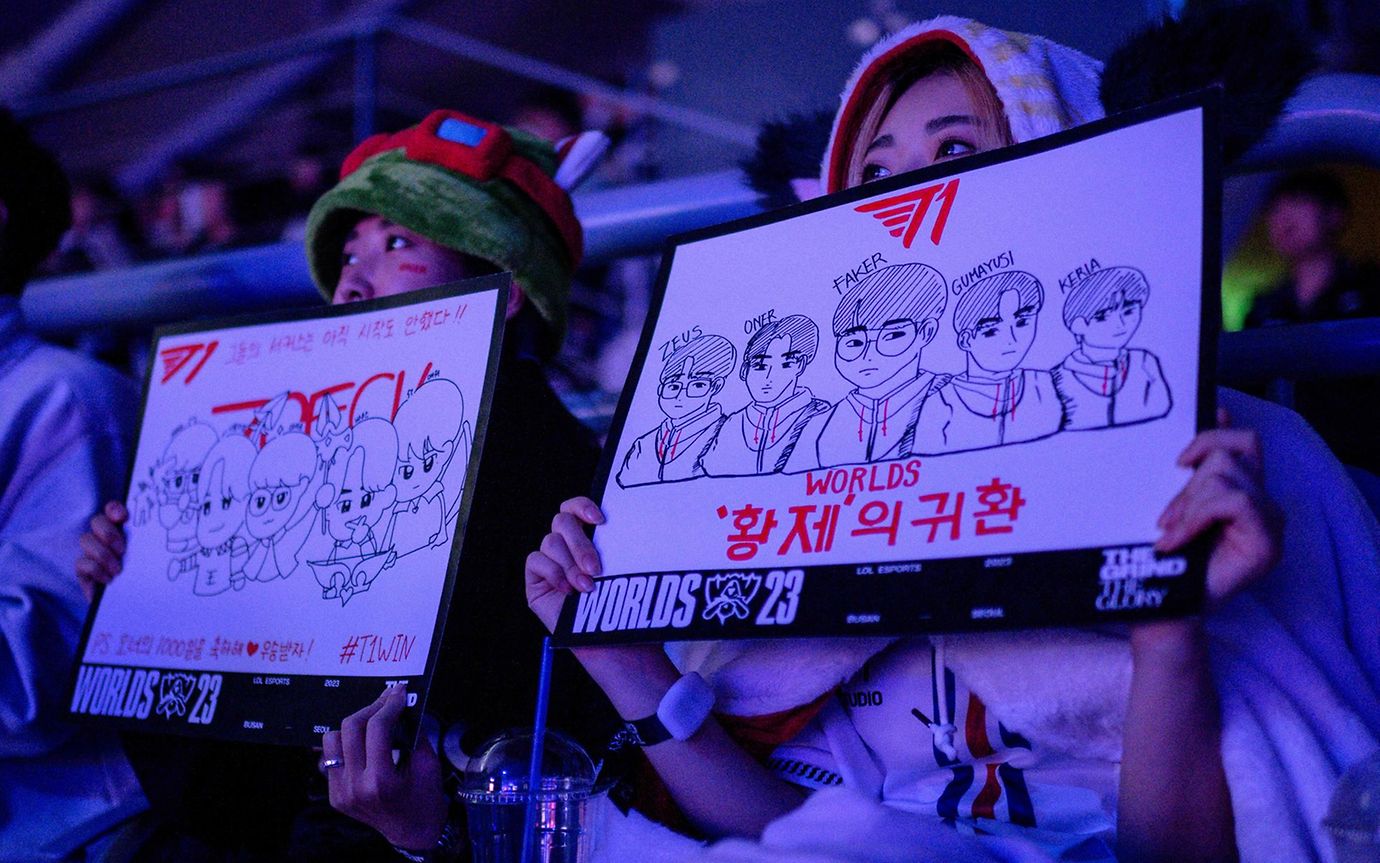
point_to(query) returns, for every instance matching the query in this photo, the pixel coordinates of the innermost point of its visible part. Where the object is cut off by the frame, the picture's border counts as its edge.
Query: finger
(91, 571)
(116, 512)
(337, 778)
(1241, 443)
(96, 551)
(1233, 508)
(585, 509)
(578, 542)
(352, 735)
(88, 584)
(546, 572)
(106, 531)
(1218, 473)
(555, 548)
(378, 735)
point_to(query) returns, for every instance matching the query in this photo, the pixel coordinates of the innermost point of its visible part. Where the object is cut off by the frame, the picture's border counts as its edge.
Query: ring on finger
(330, 763)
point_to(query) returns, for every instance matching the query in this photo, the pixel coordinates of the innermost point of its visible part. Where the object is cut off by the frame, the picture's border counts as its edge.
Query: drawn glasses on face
(178, 481)
(263, 499)
(696, 388)
(890, 340)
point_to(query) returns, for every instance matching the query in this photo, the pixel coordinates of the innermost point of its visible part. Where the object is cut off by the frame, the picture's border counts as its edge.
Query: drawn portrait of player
(358, 493)
(224, 496)
(994, 401)
(283, 481)
(176, 476)
(692, 376)
(433, 449)
(881, 328)
(1103, 382)
(760, 437)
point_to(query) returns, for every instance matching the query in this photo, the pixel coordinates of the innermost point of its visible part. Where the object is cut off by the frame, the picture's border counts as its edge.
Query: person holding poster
(450, 198)
(1137, 772)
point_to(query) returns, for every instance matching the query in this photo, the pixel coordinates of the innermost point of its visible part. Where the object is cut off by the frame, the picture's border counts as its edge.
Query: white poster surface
(947, 400)
(296, 505)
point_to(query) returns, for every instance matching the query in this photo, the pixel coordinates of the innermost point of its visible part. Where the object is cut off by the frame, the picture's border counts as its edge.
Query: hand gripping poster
(948, 400)
(298, 496)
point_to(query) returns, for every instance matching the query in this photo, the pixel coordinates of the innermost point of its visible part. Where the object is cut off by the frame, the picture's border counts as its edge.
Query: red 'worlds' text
(874, 477)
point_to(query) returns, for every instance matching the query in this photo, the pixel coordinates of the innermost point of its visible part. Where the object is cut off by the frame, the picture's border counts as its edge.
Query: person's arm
(61, 473)
(1174, 803)
(719, 787)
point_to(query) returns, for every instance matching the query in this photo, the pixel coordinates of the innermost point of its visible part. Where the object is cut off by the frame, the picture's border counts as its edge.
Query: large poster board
(947, 400)
(297, 500)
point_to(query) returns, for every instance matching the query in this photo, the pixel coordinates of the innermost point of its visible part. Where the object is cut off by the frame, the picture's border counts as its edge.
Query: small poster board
(299, 492)
(947, 400)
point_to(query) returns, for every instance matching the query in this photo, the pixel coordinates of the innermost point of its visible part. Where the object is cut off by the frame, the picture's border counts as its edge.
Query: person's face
(381, 259)
(1111, 327)
(271, 508)
(869, 357)
(934, 120)
(415, 475)
(1300, 226)
(687, 392)
(773, 371)
(1000, 343)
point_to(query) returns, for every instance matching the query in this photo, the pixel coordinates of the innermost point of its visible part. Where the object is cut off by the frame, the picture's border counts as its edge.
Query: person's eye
(406, 471)
(397, 241)
(280, 498)
(854, 341)
(789, 364)
(952, 148)
(196, 477)
(988, 333)
(1023, 321)
(873, 171)
(366, 499)
(225, 502)
(892, 335)
(344, 506)
(177, 482)
(348, 259)
(206, 508)
(759, 366)
(1100, 317)
(428, 463)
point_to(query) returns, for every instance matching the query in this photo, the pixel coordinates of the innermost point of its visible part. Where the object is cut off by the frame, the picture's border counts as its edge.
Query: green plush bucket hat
(466, 184)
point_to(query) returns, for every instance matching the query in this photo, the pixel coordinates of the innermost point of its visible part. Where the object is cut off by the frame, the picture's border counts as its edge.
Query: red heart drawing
(252, 647)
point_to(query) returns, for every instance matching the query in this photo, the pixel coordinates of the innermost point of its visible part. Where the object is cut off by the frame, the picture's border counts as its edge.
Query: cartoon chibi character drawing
(994, 401)
(283, 481)
(881, 327)
(224, 495)
(433, 450)
(1104, 383)
(176, 477)
(690, 379)
(358, 493)
(760, 437)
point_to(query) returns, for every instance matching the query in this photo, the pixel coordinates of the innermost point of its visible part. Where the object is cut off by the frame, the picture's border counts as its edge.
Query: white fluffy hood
(1043, 86)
